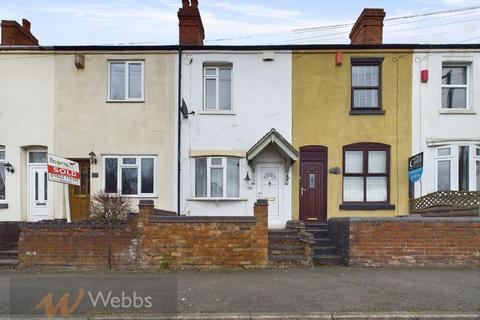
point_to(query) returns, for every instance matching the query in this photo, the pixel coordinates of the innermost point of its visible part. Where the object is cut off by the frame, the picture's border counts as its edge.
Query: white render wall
(434, 127)
(261, 95)
(27, 100)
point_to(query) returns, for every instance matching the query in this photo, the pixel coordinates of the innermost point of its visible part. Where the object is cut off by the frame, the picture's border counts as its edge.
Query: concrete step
(331, 260)
(320, 234)
(281, 237)
(324, 242)
(8, 262)
(285, 249)
(290, 258)
(282, 232)
(325, 250)
(9, 254)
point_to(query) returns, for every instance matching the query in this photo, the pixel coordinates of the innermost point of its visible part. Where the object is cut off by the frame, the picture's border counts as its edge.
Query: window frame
(217, 66)
(138, 164)
(127, 82)
(476, 159)
(365, 147)
(366, 61)
(453, 64)
(223, 166)
(3, 162)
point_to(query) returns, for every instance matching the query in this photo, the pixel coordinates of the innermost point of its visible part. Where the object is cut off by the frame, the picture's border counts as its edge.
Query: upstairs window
(2, 173)
(366, 84)
(366, 173)
(217, 177)
(129, 175)
(217, 87)
(454, 87)
(125, 81)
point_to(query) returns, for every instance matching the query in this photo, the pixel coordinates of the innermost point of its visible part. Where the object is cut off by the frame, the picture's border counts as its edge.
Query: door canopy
(280, 144)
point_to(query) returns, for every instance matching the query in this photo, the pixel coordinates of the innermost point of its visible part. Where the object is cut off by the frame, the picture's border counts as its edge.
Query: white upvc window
(129, 175)
(217, 177)
(125, 81)
(455, 91)
(2, 174)
(217, 87)
(457, 167)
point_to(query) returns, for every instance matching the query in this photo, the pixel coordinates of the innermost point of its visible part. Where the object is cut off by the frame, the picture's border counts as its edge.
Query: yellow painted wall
(321, 105)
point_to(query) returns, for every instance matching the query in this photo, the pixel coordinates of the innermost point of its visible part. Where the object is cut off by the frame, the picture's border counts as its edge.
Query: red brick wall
(203, 242)
(191, 32)
(78, 246)
(9, 232)
(368, 28)
(14, 34)
(414, 241)
(150, 240)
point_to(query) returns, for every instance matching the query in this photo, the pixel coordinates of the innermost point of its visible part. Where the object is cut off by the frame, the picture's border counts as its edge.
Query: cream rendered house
(112, 109)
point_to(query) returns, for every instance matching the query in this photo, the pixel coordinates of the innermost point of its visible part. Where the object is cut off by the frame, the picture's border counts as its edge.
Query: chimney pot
(26, 24)
(368, 28)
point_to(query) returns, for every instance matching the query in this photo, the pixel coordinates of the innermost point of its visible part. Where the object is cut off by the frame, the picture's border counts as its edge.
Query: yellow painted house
(352, 126)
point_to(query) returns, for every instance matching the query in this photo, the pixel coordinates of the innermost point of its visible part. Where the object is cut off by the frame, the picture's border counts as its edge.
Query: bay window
(129, 175)
(457, 167)
(125, 81)
(2, 173)
(366, 173)
(217, 177)
(217, 87)
(454, 86)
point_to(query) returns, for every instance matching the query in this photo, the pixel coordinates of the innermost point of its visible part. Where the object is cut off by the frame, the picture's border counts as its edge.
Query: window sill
(217, 199)
(124, 101)
(3, 205)
(457, 111)
(225, 113)
(135, 195)
(367, 112)
(366, 206)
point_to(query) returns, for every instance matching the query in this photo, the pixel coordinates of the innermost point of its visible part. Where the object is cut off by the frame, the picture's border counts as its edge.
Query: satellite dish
(184, 110)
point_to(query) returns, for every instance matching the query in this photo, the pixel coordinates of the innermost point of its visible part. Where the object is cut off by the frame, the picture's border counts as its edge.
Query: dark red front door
(313, 183)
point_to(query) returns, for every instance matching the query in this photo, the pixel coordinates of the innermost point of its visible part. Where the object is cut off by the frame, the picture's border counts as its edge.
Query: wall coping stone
(201, 219)
(62, 224)
(405, 219)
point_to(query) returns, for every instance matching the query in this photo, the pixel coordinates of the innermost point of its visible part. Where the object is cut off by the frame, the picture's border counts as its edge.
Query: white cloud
(255, 10)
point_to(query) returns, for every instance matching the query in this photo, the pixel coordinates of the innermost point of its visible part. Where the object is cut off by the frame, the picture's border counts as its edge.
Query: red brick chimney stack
(14, 34)
(190, 24)
(369, 27)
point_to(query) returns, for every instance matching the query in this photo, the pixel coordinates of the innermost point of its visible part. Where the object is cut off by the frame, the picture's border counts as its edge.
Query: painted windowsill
(457, 111)
(367, 112)
(134, 196)
(366, 206)
(3, 205)
(125, 101)
(217, 199)
(216, 112)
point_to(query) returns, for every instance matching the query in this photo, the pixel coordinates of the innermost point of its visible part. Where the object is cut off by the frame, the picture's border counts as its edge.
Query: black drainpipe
(179, 125)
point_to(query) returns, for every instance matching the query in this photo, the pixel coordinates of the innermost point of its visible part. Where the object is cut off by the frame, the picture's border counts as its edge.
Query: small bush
(106, 207)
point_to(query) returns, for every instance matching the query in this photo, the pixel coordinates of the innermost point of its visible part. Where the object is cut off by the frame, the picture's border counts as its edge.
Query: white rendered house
(236, 147)
(446, 117)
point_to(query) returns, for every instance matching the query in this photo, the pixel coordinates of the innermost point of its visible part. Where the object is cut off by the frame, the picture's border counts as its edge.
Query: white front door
(37, 192)
(269, 186)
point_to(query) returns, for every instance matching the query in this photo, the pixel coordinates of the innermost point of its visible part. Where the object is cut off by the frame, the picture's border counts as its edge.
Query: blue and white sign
(415, 167)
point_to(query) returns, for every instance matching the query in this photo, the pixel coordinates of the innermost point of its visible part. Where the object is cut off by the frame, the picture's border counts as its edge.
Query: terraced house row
(320, 131)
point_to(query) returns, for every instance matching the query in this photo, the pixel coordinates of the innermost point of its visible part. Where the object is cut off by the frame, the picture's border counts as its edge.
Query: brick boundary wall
(203, 242)
(81, 245)
(9, 233)
(410, 241)
(150, 240)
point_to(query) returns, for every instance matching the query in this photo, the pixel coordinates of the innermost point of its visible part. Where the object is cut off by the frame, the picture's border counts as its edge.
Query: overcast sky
(69, 22)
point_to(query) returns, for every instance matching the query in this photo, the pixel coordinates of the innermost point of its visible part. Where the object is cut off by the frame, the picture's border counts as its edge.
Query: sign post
(64, 171)
(415, 167)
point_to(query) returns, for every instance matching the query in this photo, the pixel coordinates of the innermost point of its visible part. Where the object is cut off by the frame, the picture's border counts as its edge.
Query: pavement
(320, 293)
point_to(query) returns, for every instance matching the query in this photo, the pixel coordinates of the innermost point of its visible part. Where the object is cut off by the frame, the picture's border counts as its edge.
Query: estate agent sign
(415, 167)
(63, 170)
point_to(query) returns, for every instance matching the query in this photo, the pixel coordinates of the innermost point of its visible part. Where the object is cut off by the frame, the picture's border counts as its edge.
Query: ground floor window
(2, 173)
(366, 173)
(457, 167)
(217, 177)
(129, 175)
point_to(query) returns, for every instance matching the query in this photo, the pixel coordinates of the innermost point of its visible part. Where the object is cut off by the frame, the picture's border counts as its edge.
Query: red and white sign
(63, 170)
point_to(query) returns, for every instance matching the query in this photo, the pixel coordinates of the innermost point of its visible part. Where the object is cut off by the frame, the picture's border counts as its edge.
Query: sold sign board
(415, 167)
(63, 170)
